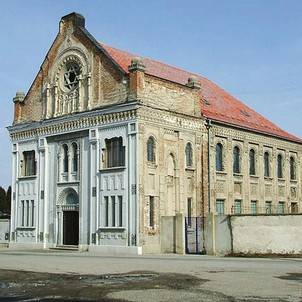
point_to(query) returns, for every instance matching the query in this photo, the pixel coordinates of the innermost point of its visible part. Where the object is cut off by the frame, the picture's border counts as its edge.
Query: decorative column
(49, 112)
(89, 98)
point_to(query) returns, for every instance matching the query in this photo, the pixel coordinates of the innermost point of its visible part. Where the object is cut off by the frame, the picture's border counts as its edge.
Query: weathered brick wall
(171, 96)
(155, 178)
(228, 186)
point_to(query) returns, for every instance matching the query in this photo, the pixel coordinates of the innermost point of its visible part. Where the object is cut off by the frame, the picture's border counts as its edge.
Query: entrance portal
(70, 227)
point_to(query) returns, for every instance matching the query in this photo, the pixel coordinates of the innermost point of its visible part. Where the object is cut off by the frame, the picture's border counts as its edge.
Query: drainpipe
(208, 126)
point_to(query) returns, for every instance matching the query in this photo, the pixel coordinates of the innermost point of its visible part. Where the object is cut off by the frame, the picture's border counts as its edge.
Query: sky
(252, 49)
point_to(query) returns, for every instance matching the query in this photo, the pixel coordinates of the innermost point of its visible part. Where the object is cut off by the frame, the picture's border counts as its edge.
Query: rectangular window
(237, 207)
(151, 211)
(106, 211)
(32, 213)
(254, 207)
(220, 206)
(189, 209)
(27, 213)
(29, 163)
(120, 202)
(115, 152)
(281, 207)
(294, 207)
(268, 207)
(22, 213)
(113, 210)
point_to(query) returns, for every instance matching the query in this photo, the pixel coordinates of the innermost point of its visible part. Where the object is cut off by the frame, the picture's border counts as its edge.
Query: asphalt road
(85, 276)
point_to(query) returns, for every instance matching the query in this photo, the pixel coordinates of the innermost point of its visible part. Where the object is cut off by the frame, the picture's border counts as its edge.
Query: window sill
(27, 177)
(254, 176)
(237, 174)
(268, 178)
(281, 179)
(190, 169)
(108, 229)
(25, 228)
(221, 172)
(113, 169)
(151, 165)
(294, 181)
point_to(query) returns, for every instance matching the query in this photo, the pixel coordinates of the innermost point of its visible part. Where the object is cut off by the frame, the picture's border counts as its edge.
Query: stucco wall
(280, 234)
(4, 230)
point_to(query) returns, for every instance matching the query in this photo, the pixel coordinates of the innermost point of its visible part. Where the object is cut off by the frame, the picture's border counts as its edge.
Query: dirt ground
(135, 286)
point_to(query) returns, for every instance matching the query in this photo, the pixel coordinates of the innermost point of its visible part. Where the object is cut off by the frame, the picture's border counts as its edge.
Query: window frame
(252, 162)
(219, 157)
(189, 155)
(151, 150)
(236, 160)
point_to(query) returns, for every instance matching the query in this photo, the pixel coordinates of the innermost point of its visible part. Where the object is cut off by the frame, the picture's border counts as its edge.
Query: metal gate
(193, 234)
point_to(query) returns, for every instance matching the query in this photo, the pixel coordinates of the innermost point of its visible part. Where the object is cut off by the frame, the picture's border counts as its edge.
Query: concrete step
(65, 248)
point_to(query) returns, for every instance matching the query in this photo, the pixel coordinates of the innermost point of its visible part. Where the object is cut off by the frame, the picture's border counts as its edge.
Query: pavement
(147, 278)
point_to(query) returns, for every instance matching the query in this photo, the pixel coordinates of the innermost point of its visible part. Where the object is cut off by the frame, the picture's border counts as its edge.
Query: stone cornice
(75, 122)
(167, 118)
(254, 138)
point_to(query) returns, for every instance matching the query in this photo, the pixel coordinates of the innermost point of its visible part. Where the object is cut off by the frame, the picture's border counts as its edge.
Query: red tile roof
(215, 103)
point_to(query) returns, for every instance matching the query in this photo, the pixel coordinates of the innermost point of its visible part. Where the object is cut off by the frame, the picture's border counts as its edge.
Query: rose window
(71, 76)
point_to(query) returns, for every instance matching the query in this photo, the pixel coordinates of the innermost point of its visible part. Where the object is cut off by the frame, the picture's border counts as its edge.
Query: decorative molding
(72, 125)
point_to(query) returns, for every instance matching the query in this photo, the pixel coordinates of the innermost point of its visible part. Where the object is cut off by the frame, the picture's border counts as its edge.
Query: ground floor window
(237, 206)
(27, 213)
(189, 211)
(268, 207)
(294, 207)
(254, 207)
(113, 208)
(281, 207)
(220, 206)
(151, 212)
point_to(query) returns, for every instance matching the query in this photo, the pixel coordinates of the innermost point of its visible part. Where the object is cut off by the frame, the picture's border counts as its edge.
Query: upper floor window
(219, 151)
(71, 76)
(236, 159)
(266, 164)
(292, 168)
(151, 149)
(189, 155)
(280, 166)
(29, 163)
(65, 158)
(252, 162)
(74, 157)
(115, 152)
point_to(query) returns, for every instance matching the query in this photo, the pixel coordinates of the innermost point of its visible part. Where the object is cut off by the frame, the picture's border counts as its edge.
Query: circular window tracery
(71, 76)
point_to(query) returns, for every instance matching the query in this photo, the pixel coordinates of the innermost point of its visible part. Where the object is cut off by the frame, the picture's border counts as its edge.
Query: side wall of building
(228, 186)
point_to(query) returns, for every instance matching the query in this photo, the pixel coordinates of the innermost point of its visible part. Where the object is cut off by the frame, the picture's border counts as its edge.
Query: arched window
(65, 158)
(292, 168)
(74, 157)
(236, 160)
(151, 149)
(219, 163)
(266, 164)
(189, 155)
(252, 162)
(280, 166)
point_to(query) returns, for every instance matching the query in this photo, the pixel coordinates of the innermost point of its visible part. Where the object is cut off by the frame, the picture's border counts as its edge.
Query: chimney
(193, 82)
(137, 78)
(74, 19)
(18, 101)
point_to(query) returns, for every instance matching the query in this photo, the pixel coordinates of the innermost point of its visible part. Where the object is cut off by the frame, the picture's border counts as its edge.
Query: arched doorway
(69, 221)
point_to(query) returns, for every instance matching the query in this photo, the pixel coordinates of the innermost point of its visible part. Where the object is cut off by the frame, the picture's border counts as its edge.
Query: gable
(64, 83)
